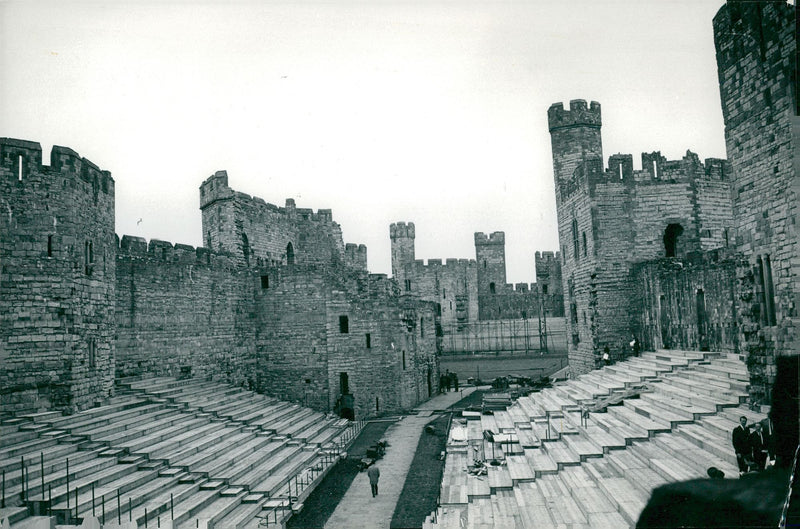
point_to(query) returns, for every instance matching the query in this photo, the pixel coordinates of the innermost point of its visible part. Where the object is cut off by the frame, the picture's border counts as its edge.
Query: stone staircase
(589, 451)
(164, 449)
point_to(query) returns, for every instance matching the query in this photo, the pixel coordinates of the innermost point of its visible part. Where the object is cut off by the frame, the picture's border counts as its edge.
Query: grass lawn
(421, 489)
(322, 501)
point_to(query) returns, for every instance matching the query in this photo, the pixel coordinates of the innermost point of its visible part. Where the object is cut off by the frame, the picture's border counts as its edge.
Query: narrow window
(769, 292)
(700, 304)
(369, 341)
(344, 325)
(289, 254)
(544, 289)
(725, 235)
(620, 171)
(344, 384)
(575, 241)
(88, 258)
(484, 264)
(19, 168)
(404, 359)
(49, 246)
(444, 293)
(584, 243)
(655, 169)
(377, 406)
(491, 288)
(408, 285)
(265, 281)
(422, 327)
(92, 351)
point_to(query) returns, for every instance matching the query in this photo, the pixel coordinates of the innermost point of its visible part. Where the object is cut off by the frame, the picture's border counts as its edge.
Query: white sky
(430, 112)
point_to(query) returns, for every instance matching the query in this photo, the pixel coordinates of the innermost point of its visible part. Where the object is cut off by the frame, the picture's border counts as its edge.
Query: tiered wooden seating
(165, 445)
(598, 470)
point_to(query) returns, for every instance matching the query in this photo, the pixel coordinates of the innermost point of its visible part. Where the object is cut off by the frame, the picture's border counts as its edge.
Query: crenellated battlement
(655, 169)
(215, 188)
(481, 239)
(547, 256)
(131, 246)
(401, 230)
(21, 160)
(578, 115)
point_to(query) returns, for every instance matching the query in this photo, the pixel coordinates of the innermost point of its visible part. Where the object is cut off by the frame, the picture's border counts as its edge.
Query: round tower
(402, 236)
(575, 138)
(57, 280)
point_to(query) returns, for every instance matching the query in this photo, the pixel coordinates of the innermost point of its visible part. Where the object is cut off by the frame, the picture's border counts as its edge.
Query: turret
(402, 237)
(575, 138)
(490, 254)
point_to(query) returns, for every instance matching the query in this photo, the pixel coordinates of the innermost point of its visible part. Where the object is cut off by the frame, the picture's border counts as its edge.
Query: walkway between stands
(358, 508)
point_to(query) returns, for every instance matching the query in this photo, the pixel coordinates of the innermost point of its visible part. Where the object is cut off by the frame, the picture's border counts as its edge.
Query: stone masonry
(57, 279)
(756, 47)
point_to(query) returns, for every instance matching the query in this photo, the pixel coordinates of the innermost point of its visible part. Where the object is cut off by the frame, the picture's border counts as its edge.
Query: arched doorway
(289, 254)
(671, 235)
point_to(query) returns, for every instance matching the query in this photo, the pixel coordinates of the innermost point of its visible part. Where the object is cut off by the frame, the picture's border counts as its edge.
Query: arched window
(491, 288)
(289, 254)
(671, 235)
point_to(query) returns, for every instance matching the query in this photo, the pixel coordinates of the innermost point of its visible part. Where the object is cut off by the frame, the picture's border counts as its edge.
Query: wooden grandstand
(192, 452)
(588, 452)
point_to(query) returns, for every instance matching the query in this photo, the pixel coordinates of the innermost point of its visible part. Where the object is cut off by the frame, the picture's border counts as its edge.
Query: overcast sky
(430, 112)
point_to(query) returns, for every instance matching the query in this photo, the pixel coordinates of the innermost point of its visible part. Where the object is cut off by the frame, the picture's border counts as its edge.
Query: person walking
(741, 444)
(758, 443)
(374, 473)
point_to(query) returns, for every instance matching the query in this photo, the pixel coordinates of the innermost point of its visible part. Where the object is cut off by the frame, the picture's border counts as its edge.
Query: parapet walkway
(358, 508)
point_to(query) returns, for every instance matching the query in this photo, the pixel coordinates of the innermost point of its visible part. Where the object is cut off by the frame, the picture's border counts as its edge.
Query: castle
(470, 290)
(275, 302)
(689, 254)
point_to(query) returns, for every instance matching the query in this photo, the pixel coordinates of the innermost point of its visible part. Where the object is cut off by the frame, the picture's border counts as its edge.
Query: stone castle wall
(57, 270)
(258, 232)
(314, 325)
(611, 218)
(692, 304)
(179, 308)
(756, 46)
(470, 290)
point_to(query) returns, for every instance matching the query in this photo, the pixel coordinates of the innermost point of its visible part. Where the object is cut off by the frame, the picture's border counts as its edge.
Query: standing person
(442, 383)
(635, 346)
(741, 444)
(447, 380)
(374, 473)
(769, 436)
(455, 381)
(758, 444)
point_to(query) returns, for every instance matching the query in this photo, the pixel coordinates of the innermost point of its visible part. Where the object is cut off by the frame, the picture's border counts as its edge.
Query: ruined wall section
(261, 233)
(756, 45)
(57, 271)
(182, 309)
(316, 323)
(689, 303)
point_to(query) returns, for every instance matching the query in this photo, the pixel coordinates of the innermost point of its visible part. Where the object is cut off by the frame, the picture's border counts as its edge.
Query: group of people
(754, 449)
(633, 349)
(447, 381)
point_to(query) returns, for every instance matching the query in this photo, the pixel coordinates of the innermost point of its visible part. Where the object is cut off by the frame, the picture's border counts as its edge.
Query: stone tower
(577, 154)
(57, 279)
(756, 45)
(490, 256)
(402, 237)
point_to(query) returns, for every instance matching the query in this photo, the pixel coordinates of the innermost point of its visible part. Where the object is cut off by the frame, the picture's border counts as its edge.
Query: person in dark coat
(741, 444)
(455, 381)
(769, 434)
(758, 444)
(374, 473)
